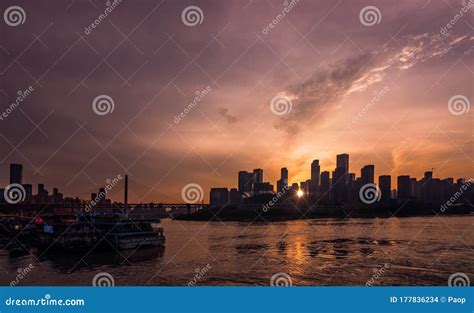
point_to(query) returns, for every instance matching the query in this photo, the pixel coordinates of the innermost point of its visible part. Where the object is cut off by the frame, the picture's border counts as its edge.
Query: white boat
(136, 239)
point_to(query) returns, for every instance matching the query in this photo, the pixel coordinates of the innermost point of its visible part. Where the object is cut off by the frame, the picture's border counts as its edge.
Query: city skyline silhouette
(244, 184)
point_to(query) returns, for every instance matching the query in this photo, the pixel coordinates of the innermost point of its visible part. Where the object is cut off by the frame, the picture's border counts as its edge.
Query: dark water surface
(393, 251)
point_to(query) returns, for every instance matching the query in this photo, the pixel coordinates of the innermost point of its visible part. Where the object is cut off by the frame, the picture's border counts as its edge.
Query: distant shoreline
(209, 216)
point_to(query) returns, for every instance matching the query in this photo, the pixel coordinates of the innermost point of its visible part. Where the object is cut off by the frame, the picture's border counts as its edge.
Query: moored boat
(105, 233)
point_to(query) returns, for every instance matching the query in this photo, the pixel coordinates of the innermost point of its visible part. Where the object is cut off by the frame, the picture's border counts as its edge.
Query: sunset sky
(319, 55)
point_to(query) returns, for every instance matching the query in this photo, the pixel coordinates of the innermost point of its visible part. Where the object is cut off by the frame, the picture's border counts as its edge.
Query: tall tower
(245, 181)
(315, 174)
(367, 174)
(325, 187)
(284, 174)
(258, 176)
(342, 161)
(126, 193)
(283, 181)
(403, 187)
(385, 185)
(16, 174)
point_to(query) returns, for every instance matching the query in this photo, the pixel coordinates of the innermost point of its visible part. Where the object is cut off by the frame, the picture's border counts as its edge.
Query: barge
(84, 233)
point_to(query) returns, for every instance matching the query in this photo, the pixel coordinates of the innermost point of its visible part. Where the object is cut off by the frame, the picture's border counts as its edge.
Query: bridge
(131, 210)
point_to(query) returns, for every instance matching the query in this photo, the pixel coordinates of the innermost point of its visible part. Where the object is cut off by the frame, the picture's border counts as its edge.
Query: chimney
(126, 193)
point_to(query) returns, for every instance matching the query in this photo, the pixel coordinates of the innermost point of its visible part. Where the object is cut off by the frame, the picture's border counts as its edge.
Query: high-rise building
(284, 174)
(342, 161)
(28, 192)
(16, 174)
(245, 182)
(352, 178)
(426, 188)
(414, 188)
(351, 187)
(42, 194)
(428, 175)
(219, 197)
(102, 195)
(325, 187)
(385, 186)
(339, 187)
(234, 197)
(447, 189)
(282, 183)
(40, 189)
(304, 186)
(315, 174)
(404, 187)
(57, 196)
(257, 176)
(367, 175)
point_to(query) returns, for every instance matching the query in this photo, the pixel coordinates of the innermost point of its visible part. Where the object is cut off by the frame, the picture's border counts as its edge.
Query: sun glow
(300, 193)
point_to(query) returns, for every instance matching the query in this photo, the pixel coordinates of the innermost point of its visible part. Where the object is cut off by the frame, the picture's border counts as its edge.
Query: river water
(378, 251)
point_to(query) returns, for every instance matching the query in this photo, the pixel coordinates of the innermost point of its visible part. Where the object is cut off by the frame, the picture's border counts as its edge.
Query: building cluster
(342, 187)
(249, 184)
(43, 196)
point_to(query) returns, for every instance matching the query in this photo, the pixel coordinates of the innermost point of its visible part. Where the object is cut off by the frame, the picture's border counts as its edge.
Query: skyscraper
(283, 181)
(28, 192)
(339, 185)
(367, 174)
(16, 174)
(428, 175)
(234, 197)
(56, 195)
(342, 161)
(415, 188)
(315, 173)
(102, 195)
(325, 186)
(42, 194)
(219, 197)
(404, 187)
(257, 176)
(284, 174)
(426, 190)
(40, 189)
(385, 185)
(245, 182)
(304, 186)
(351, 187)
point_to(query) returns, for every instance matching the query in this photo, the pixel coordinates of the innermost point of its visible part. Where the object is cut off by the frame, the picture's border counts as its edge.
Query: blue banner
(236, 299)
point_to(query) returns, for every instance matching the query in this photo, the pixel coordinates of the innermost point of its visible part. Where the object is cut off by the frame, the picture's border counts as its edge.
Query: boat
(103, 233)
(131, 235)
